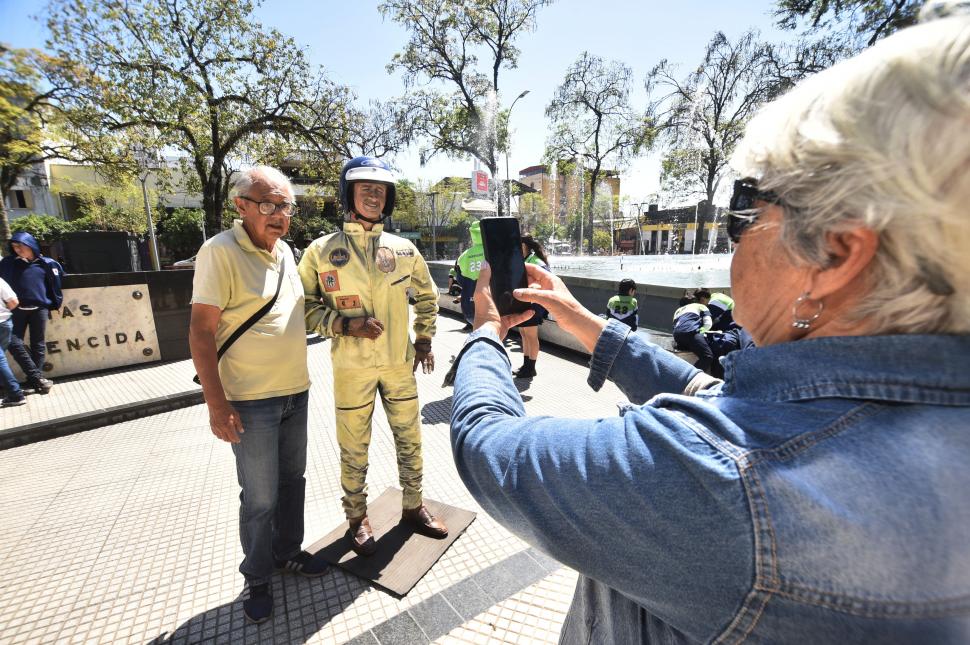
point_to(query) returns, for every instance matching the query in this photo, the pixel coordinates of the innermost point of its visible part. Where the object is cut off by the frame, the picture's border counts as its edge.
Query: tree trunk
(212, 202)
(499, 202)
(593, 176)
(4, 223)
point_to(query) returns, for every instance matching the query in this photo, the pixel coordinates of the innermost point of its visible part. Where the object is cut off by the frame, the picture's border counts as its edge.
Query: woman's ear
(850, 254)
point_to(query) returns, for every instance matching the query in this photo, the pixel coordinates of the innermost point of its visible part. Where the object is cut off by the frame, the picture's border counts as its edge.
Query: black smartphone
(503, 251)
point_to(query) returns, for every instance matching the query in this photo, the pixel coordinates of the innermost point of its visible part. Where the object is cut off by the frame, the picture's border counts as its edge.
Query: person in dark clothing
(469, 263)
(36, 280)
(528, 330)
(454, 289)
(691, 321)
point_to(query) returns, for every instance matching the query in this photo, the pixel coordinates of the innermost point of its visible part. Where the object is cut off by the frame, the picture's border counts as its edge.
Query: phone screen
(503, 251)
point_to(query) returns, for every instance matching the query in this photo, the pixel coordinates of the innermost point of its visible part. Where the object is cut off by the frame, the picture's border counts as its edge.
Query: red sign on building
(479, 182)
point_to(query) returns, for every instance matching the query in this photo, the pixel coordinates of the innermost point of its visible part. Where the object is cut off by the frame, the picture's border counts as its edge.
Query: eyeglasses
(742, 212)
(287, 209)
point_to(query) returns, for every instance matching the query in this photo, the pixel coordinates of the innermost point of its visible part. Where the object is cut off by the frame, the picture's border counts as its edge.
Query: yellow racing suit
(354, 273)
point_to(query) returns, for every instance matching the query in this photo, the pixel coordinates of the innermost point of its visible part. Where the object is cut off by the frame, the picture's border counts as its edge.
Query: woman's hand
(486, 313)
(549, 291)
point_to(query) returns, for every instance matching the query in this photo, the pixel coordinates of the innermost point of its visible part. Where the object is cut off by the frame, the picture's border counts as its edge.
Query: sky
(354, 43)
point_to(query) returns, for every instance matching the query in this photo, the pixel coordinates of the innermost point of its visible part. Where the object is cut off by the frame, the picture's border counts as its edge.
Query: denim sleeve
(641, 503)
(639, 368)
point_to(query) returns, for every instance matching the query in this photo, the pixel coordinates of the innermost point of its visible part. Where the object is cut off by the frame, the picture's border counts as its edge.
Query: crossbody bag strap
(252, 319)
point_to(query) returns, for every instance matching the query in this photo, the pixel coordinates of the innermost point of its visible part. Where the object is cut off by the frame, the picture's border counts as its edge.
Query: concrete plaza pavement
(128, 532)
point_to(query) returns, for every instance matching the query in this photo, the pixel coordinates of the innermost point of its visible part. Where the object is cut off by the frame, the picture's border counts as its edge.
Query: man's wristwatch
(344, 326)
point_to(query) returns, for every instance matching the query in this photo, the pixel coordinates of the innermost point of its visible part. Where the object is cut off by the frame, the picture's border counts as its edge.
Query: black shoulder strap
(256, 316)
(252, 319)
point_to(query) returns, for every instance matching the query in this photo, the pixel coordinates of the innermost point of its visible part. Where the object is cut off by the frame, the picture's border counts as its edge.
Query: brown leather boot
(424, 522)
(361, 537)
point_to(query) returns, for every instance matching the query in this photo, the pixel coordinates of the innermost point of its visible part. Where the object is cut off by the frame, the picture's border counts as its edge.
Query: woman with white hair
(820, 492)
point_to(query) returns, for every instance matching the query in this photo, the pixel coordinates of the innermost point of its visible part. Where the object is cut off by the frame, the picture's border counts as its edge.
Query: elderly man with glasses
(249, 348)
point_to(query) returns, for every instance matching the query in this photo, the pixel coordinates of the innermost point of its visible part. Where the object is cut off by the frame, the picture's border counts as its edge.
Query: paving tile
(509, 576)
(435, 616)
(467, 598)
(367, 638)
(400, 630)
(146, 514)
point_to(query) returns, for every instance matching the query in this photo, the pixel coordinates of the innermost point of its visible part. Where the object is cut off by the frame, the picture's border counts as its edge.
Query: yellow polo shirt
(269, 359)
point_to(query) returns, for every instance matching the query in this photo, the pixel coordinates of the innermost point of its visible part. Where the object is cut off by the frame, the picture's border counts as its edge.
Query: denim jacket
(821, 494)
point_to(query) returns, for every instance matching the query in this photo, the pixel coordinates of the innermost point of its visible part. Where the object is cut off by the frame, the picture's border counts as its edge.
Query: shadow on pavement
(440, 411)
(301, 607)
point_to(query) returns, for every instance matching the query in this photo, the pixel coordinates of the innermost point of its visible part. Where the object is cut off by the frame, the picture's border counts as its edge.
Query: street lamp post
(639, 208)
(508, 178)
(144, 158)
(434, 226)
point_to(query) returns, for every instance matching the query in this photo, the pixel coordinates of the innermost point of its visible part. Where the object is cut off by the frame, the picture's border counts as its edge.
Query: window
(19, 199)
(71, 207)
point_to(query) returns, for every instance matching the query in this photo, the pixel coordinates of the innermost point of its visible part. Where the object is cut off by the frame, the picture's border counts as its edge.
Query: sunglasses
(742, 212)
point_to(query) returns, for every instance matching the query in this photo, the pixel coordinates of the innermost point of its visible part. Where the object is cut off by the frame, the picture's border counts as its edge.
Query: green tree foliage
(199, 76)
(181, 232)
(406, 206)
(857, 23)
(441, 208)
(534, 213)
(20, 127)
(42, 227)
(308, 224)
(28, 118)
(602, 242)
(447, 39)
(594, 124)
(115, 205)
(548, 230)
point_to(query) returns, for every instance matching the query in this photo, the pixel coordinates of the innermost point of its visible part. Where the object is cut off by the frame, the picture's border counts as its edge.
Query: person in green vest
(623, 306)
(725, 335)
(721, 307)
(469, 264)
(533, 253)
(454, 289)
(691, 320)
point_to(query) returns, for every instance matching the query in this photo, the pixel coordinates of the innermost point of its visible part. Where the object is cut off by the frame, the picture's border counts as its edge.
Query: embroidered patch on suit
(348, 302)
(386, 261)
(330, 281)
(408, 253)
(339, 257)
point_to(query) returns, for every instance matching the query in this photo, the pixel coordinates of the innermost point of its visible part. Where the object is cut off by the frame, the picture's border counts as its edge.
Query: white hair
(881, 140)
(259, 174)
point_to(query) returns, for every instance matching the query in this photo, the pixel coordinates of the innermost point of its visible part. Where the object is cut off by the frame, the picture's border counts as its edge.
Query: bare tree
(383, 128)
(442, 206)
(856, 23)
(447, 37)
(594, 123)
(701, 116)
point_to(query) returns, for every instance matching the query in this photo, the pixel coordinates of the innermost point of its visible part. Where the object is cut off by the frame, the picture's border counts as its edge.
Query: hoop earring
(805, 323)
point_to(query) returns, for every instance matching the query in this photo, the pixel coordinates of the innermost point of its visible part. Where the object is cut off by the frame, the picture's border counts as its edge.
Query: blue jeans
(270, 462)
(467, 293)
(696, 343)
(35, 322)
(7, 380)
